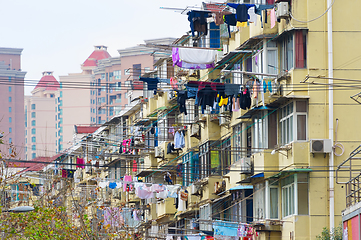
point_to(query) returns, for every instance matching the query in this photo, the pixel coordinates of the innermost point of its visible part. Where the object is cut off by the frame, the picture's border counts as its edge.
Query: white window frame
(260, 131)
(289, 199)
(268, 199)
(205, 213)
(286, 136)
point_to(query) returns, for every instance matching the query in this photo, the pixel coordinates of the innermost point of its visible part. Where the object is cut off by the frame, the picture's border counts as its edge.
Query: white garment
(197, 56)
(193, 237)
(119, 185)
(252, 15)
(77, 176)
(169, 238)
(103, 184)
(181, 204)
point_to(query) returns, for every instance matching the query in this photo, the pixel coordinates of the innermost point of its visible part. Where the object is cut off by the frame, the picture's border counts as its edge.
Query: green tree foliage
(326, 234)
(43, 223)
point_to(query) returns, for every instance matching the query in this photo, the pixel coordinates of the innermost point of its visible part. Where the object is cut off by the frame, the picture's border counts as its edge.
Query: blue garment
(260, 8)
(179, 141)
(161, 80)
(112, 185)
(264, 86)
(152, 82)
(230, 20)
(192, 92)
(198, 21)
(270, 86)
(241, 11)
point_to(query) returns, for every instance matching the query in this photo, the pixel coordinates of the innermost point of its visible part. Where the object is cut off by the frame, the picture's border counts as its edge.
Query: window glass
(273, 202)
(33, 123)
(33, 139)
(33, 131)
(10, 99)
(10, 119)
(33, 114)
(301, 127)
(32, 106)
(9, 89)
(10, 130)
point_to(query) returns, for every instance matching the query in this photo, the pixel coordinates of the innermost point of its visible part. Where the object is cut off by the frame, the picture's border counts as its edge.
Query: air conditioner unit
(246, 165)
(195, 130)
(195, 189)
(224, 121)
(158, 152)
(282, 10)
(320, 146)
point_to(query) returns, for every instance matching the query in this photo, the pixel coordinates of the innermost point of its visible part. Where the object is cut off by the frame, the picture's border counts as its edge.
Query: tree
(326, 234)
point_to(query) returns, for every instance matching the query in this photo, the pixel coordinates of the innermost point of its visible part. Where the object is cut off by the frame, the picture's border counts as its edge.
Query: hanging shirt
(112, 185)
(198, 21)
(181, 100)
(151, 82)
(273, 18)
(179, 141)
(80, 163)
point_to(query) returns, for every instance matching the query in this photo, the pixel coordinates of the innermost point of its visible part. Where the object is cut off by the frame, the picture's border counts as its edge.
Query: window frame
(284, 130)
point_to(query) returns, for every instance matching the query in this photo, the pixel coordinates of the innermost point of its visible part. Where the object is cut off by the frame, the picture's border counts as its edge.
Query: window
(33, 114)
(33, 155)
(260, 131)
(272, 58)
(190, 168)
(259, 201)
(126, 71)
(237, 143)
(33, 106)
(209, 159)
(10, 130)
(137, 71)
(10, 109)
(10, 141)
(293, 122)
(117, 74)
(52, 95)
(272, 188)
(33, 131)
(205, 213)
(147, 69)
(102, 76)
(33, 123)
(10, 99)
(9, 89)
(215, 39)
(10, 119)
(33, 139)
(33, 147)
(287, 53)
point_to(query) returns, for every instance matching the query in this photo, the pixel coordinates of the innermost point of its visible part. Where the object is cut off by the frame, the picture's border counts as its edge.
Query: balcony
(165, 208)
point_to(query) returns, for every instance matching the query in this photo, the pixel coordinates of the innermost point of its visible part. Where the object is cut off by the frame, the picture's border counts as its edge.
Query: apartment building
(41, 118)
(12, 99)
(260, 162)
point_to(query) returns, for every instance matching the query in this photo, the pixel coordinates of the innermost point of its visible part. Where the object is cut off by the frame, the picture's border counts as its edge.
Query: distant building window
(10, 99)
(10, 130)
(9, 109)
(26, 140)
(33, 155)
(33, 123)
(126, 71)
(10, 140)
(33, 131)
(9, 79)
(33, 106)
(102, 76)
(33, 114)
(117, 74)
(147, 69)
(33, 139)
(52, 95)
(10, 119)
(33, 147)
(9, 89)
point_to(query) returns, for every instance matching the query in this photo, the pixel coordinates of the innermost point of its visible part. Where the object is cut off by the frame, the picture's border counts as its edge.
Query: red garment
(134, 165)
(64, 174)
(80, 163)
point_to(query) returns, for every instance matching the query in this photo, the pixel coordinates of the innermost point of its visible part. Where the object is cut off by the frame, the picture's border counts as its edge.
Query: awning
(221, 198)
(295, 170)
(252, 111)
(156, 111)
(232, 56)
(258, 175)
(241, 187)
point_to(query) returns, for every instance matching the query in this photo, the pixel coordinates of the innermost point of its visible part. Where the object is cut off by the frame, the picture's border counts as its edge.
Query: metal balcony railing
(350, 170)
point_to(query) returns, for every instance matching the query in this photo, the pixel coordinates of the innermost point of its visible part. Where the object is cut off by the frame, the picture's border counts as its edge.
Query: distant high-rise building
(40, 115)
(12, 101)
(73, 98)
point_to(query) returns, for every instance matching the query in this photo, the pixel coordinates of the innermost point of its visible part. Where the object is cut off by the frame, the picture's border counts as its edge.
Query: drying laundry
(198, 56)
(198, 21)
(179, 141)
(80, 163)
(151, 82)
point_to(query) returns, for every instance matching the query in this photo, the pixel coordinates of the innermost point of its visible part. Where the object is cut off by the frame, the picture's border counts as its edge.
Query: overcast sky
(59, 35)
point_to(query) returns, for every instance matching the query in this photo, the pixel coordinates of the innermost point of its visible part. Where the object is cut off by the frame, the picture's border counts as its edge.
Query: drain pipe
(330, 115)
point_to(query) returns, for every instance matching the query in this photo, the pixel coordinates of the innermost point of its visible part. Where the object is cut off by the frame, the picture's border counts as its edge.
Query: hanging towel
(112, 185)
(197, 56)
(273, 18)
(152, 83)
(80, 163)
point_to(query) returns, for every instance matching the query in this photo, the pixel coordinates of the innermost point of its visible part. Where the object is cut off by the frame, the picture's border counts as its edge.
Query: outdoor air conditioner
(195, 130)
(282, 10)
(158, 152)
(195, 189)
(246, 165)
(224, 121)
(320, 146)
